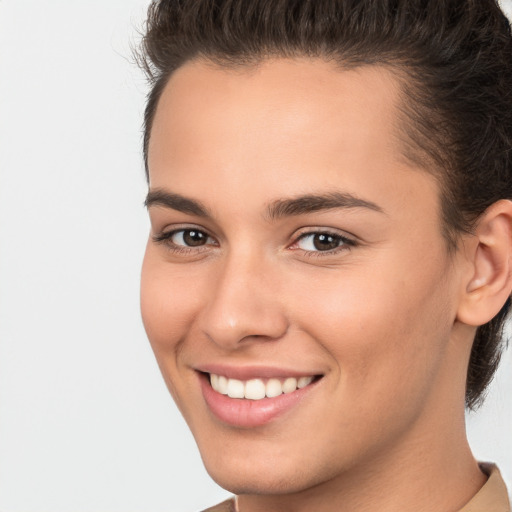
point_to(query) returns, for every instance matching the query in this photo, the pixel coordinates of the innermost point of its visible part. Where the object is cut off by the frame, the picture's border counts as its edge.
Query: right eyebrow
(159, 197)
(310, 203)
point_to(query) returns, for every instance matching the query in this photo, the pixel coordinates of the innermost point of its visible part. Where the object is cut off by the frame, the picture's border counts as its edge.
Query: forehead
(279, 129)
(289, 102)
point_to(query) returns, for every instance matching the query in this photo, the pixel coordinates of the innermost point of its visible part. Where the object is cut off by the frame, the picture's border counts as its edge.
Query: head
(421, 87)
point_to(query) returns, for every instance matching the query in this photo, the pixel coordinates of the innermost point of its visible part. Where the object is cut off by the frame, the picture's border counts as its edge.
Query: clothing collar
(493, 496)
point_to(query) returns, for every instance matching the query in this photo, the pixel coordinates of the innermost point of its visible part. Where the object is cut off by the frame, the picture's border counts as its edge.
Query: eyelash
(345, 242)
(166, 239)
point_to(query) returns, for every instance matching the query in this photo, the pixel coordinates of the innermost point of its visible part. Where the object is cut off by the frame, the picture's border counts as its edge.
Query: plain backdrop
(86, 424)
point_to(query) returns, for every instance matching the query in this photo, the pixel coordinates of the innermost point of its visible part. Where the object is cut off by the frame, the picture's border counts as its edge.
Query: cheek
(382, 329)
(168, 301)
(167, 307)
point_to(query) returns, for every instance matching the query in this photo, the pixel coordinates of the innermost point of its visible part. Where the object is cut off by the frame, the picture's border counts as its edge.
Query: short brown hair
(456, 56)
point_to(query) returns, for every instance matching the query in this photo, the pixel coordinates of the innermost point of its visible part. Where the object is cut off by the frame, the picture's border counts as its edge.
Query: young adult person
(329, 265)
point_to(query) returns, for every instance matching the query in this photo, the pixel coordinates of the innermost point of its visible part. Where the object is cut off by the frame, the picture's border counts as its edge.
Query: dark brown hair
(454, 61)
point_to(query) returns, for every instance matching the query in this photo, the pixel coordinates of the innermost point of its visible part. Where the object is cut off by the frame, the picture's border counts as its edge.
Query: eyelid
(347, 240)
(317, 230)
(165, 235)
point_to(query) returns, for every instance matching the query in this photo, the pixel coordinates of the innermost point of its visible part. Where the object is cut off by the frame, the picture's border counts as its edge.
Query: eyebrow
(275, 210)
(159, 197)
(317, 202)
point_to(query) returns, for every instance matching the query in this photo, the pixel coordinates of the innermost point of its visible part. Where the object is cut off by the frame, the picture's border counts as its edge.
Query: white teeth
(222, 385)
(289, 385)
(256, 389)
(304, 381)
(235, 388)
(273, 388)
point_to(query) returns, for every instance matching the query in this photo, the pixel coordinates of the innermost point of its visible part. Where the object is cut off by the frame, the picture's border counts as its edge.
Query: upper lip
(247, 372)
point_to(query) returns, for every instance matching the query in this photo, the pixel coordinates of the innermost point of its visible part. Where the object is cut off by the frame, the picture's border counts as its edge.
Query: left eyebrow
(160, 197)
(317, 202)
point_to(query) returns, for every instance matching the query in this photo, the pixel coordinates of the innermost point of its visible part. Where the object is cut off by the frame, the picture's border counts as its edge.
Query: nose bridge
(243, 302)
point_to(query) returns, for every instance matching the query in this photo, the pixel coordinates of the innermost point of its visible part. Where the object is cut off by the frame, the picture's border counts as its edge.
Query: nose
(244, 304)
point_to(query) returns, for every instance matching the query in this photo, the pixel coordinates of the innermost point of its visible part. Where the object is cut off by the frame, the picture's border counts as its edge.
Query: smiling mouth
(254, 397)
(258, 389)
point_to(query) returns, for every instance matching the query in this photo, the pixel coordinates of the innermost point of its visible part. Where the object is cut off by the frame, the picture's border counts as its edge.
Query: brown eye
(325, 242)
(188, 239)
(322, 242)
(193, 238)
(185, 238)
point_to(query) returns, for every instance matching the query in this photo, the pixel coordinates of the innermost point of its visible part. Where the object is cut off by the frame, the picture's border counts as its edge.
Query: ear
(489, 282)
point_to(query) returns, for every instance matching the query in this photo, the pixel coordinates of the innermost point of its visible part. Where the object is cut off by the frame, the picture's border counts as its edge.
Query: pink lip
(249, 413)
(252, 372)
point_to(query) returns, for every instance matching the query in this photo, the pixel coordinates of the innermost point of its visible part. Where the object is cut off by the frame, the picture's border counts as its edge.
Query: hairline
(407, 83)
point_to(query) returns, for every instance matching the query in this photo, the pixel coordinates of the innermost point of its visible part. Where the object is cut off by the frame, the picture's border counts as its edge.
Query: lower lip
(239, 412)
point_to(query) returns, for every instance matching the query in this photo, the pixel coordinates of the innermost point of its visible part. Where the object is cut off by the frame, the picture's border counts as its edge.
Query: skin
(379, 317)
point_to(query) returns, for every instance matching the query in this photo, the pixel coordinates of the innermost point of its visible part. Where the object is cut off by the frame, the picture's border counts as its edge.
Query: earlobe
(490, 282)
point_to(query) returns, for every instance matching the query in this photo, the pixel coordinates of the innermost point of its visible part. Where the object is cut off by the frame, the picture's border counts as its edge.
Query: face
(296, 289)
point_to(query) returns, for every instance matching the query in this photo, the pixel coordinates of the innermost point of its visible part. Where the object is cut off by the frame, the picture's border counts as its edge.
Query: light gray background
(86, 423)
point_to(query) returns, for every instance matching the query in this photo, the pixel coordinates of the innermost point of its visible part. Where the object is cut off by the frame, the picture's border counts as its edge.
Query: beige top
(492, 497)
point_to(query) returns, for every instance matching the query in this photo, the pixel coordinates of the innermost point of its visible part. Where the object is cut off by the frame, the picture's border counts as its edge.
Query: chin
(264, 475)
(259, 482)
